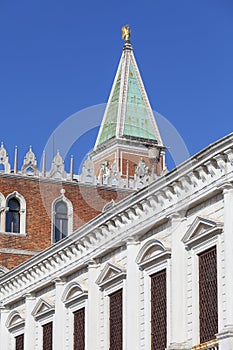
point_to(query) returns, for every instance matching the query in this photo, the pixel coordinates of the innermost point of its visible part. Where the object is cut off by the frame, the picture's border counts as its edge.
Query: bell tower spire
(128, 129)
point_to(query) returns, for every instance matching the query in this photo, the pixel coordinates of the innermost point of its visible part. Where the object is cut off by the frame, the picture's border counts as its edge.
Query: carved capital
(131, 240)
(177, 216)
(4, 309)
(29, 296)
(93, 264)
(226, 187)
(59, 281)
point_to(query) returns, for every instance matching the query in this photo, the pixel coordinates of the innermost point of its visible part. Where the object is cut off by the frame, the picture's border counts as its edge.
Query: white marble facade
(163, 226)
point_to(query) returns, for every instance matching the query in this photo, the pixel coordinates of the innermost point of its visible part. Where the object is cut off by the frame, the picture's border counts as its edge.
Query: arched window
(62, 218)
(60, 229)
(13, 216)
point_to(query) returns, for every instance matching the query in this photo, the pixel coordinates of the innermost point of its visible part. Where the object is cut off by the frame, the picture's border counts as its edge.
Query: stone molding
(43, 309)
(15, 321)
(201, 229)
(73, 294)
(110, 274)
(152, 252)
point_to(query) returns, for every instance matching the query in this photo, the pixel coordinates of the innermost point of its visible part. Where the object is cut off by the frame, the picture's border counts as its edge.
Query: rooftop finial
(126, 33)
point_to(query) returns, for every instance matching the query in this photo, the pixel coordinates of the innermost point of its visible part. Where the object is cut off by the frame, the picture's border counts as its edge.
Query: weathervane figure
(126, 33)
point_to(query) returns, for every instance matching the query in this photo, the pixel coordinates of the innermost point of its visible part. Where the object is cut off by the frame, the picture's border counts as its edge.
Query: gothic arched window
(60, 229)
(13, 216)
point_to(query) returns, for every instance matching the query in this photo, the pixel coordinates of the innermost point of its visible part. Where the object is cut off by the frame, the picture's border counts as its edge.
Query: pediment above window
(110, 275)
(74, 294)
(15, 321)
(43, 309)
(152, 253)
(200, 230)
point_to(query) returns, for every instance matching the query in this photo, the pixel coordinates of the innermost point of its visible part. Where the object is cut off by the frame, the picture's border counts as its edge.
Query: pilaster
(59, 316)
(92, 338)
(132, 297)
(29, 333)
(4, 334)
(225, 336)
(177, 327)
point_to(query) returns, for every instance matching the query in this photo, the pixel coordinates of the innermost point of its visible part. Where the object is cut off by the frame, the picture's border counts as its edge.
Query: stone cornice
(63, 182)
(132, 217)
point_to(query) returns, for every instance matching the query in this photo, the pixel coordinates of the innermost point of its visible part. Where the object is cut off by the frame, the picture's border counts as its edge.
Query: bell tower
(128, 133)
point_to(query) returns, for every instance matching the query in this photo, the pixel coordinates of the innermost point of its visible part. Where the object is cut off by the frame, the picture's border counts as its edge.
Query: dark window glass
(60, 221)
(79, 329)
(208, 295)
(48, 336)
(158, 311)
(116, 327)
(19, 342)
(13, 216)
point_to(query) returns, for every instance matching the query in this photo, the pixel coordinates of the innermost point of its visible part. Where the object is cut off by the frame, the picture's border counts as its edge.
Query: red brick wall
(87, 201)
(12, 260)
(132, 158)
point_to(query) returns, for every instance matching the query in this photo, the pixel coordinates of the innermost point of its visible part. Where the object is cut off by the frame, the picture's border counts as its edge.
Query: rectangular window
(79, 329)
(208, 295)
(19, 342)
(48, 336)
(115, 320)
(158, 311)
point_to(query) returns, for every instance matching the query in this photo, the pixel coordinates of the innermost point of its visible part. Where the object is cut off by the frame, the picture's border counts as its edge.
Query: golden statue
(126, 33)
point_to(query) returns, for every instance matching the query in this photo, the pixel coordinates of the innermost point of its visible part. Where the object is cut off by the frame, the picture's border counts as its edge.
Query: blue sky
(58, 57)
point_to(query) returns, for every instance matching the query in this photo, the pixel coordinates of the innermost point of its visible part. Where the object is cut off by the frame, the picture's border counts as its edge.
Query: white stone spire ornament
(4, 159)
(88, 174)
(72, 168)
(58, 169)
(30, 164)
(43, 171)
(16, 160)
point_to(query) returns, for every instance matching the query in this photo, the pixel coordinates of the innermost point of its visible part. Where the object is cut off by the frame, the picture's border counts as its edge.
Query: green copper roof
(128, 113)
(137, 118)
(110, 123)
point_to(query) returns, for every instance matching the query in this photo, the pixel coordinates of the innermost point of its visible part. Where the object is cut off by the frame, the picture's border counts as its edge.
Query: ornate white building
(152, 272)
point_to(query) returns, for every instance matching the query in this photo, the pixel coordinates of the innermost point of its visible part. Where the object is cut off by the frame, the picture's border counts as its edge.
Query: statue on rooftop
(126, 33)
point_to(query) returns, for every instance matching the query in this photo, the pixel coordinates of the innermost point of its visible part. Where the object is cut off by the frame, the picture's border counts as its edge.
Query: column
(29, 333)
(177, 327)
(131, 300)
(59, 316)
(4, 334)
(92, 339)
(225, 336)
